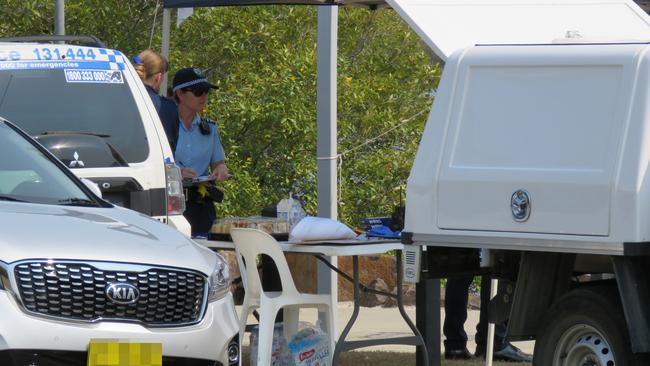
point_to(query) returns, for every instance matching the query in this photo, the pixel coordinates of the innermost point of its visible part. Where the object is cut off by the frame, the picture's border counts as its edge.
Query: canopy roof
(644, 4)
(372, 4)
(447, 26)
(450, 25)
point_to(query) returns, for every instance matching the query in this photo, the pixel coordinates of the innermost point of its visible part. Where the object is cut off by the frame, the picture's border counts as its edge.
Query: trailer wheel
(585, 327)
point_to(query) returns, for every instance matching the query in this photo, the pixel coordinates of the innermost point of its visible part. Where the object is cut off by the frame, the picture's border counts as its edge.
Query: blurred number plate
(112, 352)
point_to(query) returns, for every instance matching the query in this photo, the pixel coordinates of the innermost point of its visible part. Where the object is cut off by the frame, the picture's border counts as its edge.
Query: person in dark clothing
(152, 67)
(456, 300)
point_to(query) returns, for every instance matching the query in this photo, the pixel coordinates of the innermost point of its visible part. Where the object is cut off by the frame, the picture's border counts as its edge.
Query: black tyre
(585, 327)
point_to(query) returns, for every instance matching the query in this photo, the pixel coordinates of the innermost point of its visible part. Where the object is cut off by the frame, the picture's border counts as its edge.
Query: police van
(87, 105)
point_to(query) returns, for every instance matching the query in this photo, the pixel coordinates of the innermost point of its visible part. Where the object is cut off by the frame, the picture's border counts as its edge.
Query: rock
(408, 296)
(409, 293)
(371, 267)
(370, 299)
(391, 301)
(474, 301)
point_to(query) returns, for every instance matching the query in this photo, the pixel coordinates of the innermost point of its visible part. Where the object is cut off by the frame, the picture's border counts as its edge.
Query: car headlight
(4, 277)
(219, 281)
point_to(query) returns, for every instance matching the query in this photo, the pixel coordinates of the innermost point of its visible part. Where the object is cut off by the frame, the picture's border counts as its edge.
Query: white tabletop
(326, 247)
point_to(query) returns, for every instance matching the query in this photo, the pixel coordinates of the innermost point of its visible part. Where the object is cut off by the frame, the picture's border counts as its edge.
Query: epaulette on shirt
(208, 120)
(204, 126)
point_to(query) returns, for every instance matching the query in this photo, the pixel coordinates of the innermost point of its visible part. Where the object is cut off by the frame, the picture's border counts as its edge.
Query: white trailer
(537, 148)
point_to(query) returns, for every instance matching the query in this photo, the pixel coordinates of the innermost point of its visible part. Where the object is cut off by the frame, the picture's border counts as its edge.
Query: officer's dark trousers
(200, 213)
(456, 298)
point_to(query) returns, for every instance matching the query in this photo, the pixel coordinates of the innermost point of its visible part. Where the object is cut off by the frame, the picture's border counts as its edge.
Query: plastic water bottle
(296, 212)
(283, 208)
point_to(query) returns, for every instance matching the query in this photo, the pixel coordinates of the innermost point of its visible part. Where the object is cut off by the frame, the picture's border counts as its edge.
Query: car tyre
(586, 326)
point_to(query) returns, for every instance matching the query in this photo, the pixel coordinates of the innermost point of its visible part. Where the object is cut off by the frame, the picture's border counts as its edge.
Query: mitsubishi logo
(76, 163)
(122, 293)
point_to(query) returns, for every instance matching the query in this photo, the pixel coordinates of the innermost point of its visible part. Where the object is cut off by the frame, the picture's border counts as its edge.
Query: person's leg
(481, 327)
(456, 297)
(503, 350)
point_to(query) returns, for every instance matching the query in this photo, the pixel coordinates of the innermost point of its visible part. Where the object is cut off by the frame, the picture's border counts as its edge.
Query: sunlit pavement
(386, 322)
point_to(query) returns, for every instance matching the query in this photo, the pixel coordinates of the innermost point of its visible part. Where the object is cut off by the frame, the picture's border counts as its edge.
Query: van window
(41, 101)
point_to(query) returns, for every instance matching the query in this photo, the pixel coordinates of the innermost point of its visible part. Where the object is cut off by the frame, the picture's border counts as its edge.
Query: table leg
(427, 318)
(422, 348)
(355, 312)
(421, 341)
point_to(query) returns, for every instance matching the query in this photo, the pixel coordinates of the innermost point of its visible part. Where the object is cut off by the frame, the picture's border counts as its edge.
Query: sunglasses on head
(198, 92)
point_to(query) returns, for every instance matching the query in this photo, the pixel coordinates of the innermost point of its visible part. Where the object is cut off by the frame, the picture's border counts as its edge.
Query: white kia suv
(75, 269)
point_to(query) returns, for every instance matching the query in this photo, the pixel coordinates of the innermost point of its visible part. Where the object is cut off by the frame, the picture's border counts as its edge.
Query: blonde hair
(150, 63)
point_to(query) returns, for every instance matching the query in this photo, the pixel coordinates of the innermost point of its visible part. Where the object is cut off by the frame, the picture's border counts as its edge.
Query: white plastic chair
(249, 243)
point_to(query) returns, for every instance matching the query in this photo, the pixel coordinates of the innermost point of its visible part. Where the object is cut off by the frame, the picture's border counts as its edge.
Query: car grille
(77, 291)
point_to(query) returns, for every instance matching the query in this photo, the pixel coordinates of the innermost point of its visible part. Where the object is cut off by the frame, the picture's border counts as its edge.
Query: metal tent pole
(59, 18)
(164, 48)
(326, 149)
(489, 347)
(486, 261)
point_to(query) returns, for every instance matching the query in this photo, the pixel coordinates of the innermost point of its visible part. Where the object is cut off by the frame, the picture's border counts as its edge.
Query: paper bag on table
(319, 228)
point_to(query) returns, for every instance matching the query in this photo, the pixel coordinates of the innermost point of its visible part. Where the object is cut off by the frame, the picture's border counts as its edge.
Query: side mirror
(93, 186)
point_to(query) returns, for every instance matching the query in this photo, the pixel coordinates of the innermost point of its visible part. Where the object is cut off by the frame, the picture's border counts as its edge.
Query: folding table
(353, 248)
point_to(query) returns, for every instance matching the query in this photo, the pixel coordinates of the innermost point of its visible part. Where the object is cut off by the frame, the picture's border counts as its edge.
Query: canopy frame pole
(164, 47)
(326, 104)
(59, 18)
(326, 149)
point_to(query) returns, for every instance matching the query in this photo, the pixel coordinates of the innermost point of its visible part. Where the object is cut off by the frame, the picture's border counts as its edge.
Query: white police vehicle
(77, 271)
(90, 109)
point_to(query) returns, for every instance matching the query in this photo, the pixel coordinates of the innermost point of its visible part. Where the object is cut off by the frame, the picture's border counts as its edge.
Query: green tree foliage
(26, 17)
(124, 25)
(264, 59)
(386, 83)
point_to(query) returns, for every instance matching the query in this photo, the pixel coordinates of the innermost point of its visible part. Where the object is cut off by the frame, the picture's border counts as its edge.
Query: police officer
(197, 146)
(152, 67)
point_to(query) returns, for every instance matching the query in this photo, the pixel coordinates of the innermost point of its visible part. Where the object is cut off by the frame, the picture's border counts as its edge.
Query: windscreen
(27, 175)
(71, 100)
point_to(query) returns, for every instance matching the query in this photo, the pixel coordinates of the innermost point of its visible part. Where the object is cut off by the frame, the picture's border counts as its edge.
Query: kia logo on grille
(122, 293)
